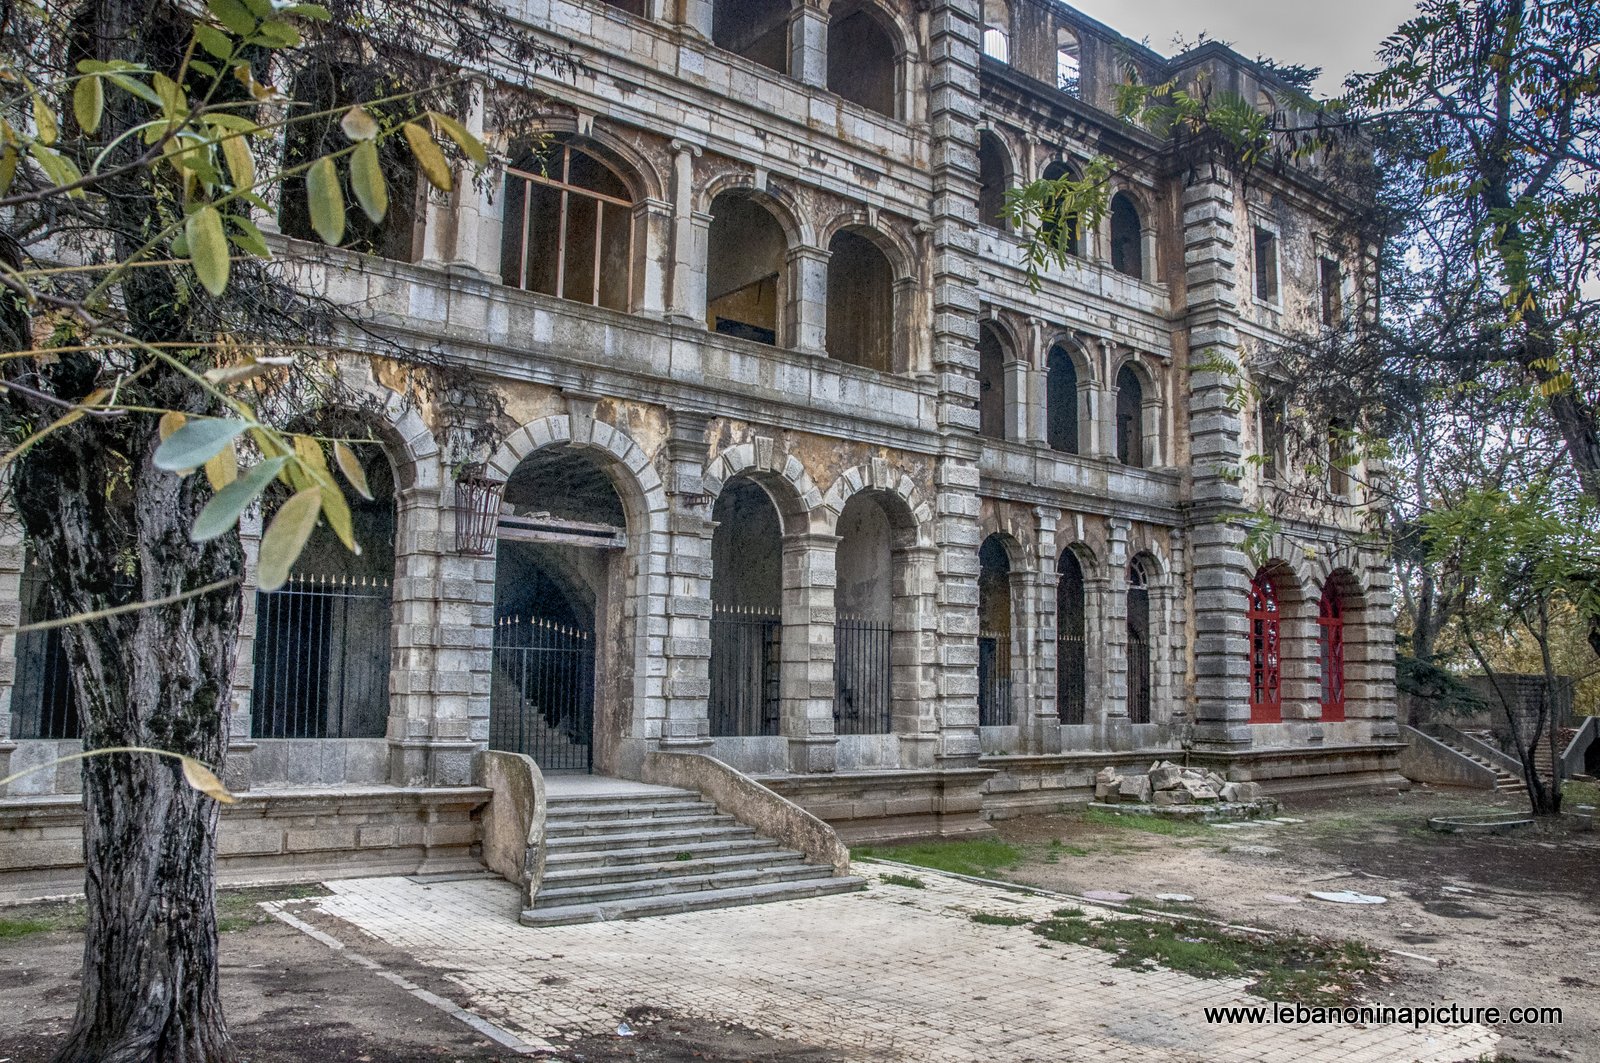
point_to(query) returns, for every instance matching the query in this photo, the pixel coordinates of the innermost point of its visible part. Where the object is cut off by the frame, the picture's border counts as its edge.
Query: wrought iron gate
(862, 679)
(542, 694)
(42, 702)
(994, 679)
(322, 659)
(744, 671)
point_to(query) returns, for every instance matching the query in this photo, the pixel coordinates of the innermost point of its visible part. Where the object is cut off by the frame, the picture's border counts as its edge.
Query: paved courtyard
(894, 973)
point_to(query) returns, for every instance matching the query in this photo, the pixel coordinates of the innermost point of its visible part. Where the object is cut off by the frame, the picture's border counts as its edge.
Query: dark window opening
(861, 60)
(991, 383)
(1071, 643)
(43, 703)
(755, 29)
(1272, 437)
(993, 180)
(1060, 228)
(1266, 266)
(746, 615)
(860, 303)
(745, 255)
(1130, 418)
(1127, 237)
(994, 634)
(1061, 402)
(1332, 290)
(1138, 646)
(568, 228)
(632, 7)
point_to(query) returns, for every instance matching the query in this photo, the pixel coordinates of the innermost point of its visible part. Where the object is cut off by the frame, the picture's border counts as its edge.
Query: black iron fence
(1071, 675)
(542, 693)
(862, 677)
(1138, 655)
(322, 655)
(994, 679)
(745, 647)
(42, 702)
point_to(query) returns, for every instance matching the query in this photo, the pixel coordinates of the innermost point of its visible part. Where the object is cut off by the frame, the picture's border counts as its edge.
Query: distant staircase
(628, 855)
(1505, 780)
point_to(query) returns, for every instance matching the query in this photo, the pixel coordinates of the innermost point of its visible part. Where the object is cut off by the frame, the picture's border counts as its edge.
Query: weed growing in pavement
(1178, 828)
(978, 858)
(988, 919)
(904, 880)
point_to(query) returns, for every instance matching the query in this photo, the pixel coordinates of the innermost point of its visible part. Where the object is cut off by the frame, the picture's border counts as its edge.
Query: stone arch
(887, 98)
(787, 208)
(1297, 621)
(1151, 416)
(870, 226)
(637, 170)
(641, 490)
(781, 474)
(913, 515)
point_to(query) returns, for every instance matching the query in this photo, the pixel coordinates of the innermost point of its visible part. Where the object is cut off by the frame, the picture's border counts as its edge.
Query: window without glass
(1138, 645)
(755, 29)
(745, 257)
(1130, 418)
(1272, 426)
(1067, 65)
(568, 228)
(1332, 290)
(997, 30)
(1338, 460)
(1061, 401)
(860, 303)
(991, 383)
(994, 634)
(1060, 226)
(861, 59)
(1127, 237)
(1266, 265)
(43, 703)
(1071, 644)
(994, 177)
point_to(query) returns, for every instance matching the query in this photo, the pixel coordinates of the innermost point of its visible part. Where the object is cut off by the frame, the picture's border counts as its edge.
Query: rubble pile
(1169, 784)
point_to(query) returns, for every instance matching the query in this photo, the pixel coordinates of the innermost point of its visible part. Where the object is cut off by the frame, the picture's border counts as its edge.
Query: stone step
(607, 828)
(701, 900)
(605, 893)
(622, 808)
(562, 876)
(638, 838)
(573, 858)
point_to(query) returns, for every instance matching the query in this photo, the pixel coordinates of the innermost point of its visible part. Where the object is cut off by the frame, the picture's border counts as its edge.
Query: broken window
(860, 303)
(1138, 644)
(1061, 401)
(1067, 67)
(1071, 643)
(1127, 237)
(994, 177)
(1266, 265)
(755, 29)
(1130, 418)
(568, 227)
(43, 704)
(991, 383)
(862, 58)
(997, 30)
(745, 255)
(1273, 415)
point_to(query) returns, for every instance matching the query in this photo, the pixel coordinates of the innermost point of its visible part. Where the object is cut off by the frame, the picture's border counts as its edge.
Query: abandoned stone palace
(794, 467)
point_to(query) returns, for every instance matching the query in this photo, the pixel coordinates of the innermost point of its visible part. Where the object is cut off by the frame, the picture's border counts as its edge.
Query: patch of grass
(1000, 920)
(240, 909)
(1057, 849)
(904, 880)
(684, 856)
(1168, 907)
(979, 858)
(27, 920)
(1180, 828)
(1574, 794)
(1291, 968)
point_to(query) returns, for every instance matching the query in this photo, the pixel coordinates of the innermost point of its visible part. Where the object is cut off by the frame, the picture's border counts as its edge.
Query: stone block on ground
(1199, 791)
(1240, 791)
(1134, 788)
(1215, 781)
(1172, 797)
(1164, 777)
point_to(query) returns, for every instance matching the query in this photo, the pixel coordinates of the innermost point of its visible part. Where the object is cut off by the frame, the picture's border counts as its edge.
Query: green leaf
(222, 512)
(249, 238)
(233, 15)
(358, 124)
(326, 200)
(89, 103)
(192, 445)
(429, 157)
(286, 536)
(208, 248)
(44, 120)
(241, 164)
(213, 40)
(8, 167)
(56, 166)
(279, 34)
(135, 87)
(366, 180)
(315, 12)
(350, 465)
(469, 144)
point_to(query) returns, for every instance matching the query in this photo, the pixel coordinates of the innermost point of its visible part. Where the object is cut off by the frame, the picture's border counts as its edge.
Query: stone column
(806, 303)
(696, 17)
(1092, 419)
(1016, 379)
(1221, 570)
(652, 256)
(808, 44)
(1174, 666)
(916, 620)
(1369, 688)
(237, 767)
(689, 232)
(687, 564)
(807, 651)
(1042, 732)
(1114, 644)
(472, 215)
(13, 558)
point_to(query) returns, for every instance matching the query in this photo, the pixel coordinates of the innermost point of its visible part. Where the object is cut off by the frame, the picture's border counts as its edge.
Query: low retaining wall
(269, 836)
(890, 806)
(513, 822)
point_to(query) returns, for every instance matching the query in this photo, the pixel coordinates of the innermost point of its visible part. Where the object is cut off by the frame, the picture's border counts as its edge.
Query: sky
(1338, 35)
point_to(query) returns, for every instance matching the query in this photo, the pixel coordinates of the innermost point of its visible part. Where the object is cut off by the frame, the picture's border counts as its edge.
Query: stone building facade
(794, 466)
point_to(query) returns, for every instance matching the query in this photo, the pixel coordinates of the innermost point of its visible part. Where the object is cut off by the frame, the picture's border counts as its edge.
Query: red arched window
(1330, 641)
(1266, 687)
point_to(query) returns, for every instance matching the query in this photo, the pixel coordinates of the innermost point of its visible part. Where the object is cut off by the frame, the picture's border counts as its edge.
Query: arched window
(755, 29)
(1138, 644)
(860, 303)
(997, 30)
(994, 177)
(568, 228)
(1071, 642)
(1067, 66)
(1130, 418)
(991, 383)
(746, 251)
(873, 671)
(1127, 237)
(1061, 401)
(994, 634)
(1330, 644)
(746, 611)
(1064, 227)
(1266, 686)
(861, 58)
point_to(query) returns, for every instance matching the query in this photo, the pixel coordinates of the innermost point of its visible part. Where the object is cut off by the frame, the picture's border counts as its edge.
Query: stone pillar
(471, 210)
(687, 565)
(1369, 687)
(808, 44)
(806, 303)
(1041, 730)
(806, 653)
(1174, 665)
(1016, 377)
(689, 233)
(696, 17)
(652, 256)
(916, 621)
(1221, 570)
(1093, 421)
(1114, 644)
(237, 767)
(13, 558)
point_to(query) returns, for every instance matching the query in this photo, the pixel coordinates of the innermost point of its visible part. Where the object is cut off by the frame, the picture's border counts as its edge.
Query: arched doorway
(559, 588)
(1266, 672)
(1071, 641)
(1330, 652)
(874, 671)
(994, 634)
(1139, 657)
(746, 612)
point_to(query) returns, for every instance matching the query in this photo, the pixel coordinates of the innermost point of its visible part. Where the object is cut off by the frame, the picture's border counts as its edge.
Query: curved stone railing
(1575, 757)
(513, 822)
(750, 803)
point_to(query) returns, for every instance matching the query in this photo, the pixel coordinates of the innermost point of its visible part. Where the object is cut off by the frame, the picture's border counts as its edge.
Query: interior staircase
(1505, 781)
(659, 851)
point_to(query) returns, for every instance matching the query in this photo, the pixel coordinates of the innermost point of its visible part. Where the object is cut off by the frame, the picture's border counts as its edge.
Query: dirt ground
(1510, 920)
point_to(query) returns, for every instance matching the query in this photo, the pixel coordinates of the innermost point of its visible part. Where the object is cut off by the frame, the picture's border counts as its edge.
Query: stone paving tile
(894, 973)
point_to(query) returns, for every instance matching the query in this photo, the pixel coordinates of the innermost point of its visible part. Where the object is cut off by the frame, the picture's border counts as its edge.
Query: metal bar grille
(744, 671)
(862, 678)
(542, 694)
(322, 659)
(42, 702)
(1138, 655)
(994, 679)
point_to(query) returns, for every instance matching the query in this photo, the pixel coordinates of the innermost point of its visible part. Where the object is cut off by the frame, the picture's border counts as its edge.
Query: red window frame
(1330, 646)
(1266, 676)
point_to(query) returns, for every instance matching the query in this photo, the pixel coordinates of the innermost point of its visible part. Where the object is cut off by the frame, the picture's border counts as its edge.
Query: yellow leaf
(358, 124)
(429, 157)
(171, 421)
(337, 512)
(366, 180)
(44, 120)
(326, 200)
(222, 469)
(286, 536)
(350, 465)
(208, 248)
(470, 145)
(202, 778)
(241, 164)
(88, 103)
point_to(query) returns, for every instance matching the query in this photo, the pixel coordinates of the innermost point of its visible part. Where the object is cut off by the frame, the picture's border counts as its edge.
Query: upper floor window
(1130, 418)
(1266, 265)
(1051, 229)
(862, 58)
(1272, 415)
(997, 30)
(991, 382)
(1339, 460)
(755, 29)
(1332, 284)
(1068, 71)
(568, 228)
(861, 310)
(1061, 401)
(994, 177)
(1127, 237)
(745, 269)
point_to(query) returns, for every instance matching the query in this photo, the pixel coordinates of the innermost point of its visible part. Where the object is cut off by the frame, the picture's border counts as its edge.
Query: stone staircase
(1505, 782)
(659, 852)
